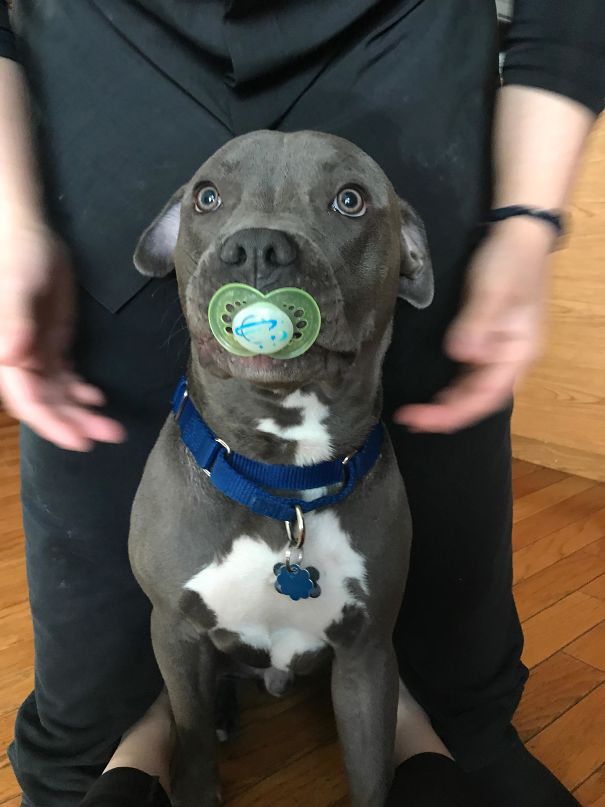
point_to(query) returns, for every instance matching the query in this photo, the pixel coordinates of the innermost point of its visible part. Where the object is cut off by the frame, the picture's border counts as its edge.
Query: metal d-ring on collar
(345, 463)
(208, 471)
(181, 406)
(177, 417)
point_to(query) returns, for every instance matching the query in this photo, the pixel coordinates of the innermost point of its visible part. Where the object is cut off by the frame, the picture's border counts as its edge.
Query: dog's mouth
(317, 363)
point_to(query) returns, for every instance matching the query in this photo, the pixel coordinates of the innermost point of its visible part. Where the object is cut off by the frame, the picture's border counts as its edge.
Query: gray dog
(301, 211)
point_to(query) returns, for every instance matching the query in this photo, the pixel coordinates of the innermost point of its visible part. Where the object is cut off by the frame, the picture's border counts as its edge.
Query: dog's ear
(416, 272)
(153, 255)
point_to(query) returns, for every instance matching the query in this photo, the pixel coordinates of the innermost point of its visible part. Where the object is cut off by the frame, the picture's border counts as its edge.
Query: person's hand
(498, 331)
(37, 384)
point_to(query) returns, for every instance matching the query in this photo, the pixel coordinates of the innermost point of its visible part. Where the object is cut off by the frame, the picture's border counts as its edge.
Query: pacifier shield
(246, 322)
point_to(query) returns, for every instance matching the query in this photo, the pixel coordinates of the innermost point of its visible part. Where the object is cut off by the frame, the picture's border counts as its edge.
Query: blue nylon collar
(245, 480)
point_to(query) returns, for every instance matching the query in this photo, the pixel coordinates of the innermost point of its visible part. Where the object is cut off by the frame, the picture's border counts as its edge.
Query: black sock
(430, 780)
(518, 778)
(126, 787)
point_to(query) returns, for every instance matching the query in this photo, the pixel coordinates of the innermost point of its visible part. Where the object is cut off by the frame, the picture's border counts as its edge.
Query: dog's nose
(259, 255)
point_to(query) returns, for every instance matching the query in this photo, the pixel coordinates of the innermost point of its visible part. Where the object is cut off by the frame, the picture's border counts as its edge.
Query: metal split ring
(295, 543)
(299, 540)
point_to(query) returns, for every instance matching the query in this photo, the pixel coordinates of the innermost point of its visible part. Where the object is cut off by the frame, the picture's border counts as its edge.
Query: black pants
(422, 109)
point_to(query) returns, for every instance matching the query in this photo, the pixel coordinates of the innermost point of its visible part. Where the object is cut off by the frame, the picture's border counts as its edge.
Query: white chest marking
(312, 436)
(239, 589)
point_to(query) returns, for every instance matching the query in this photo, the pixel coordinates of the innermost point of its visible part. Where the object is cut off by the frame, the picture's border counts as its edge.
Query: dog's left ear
(416, 272)
(153, 255)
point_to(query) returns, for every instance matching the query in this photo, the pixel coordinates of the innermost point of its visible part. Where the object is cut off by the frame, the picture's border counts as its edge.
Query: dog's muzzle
(283, 323)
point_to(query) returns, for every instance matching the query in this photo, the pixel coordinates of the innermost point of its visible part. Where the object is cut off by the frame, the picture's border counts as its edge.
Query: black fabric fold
(126, 787)
(7, 39)
(430, 780)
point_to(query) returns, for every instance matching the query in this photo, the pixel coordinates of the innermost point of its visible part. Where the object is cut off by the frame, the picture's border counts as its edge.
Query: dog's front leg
(188, 666)
(364, 694)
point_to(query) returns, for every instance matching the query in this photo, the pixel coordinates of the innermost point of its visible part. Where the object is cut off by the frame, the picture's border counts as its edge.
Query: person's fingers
(92, 425)
(44, 405)
(47, 423)
(470, 398)
(84, 393)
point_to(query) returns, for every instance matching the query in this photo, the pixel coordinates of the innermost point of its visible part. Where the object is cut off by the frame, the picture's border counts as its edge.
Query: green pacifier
(246, 322)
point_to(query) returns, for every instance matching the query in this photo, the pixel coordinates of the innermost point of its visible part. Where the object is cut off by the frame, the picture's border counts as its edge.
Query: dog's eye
(207, 199)
(349, 202)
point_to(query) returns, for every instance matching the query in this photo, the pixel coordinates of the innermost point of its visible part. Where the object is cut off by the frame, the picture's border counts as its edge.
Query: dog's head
(305, 210)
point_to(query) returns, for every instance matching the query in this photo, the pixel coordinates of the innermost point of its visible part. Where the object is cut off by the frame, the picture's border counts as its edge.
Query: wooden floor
(285, 745)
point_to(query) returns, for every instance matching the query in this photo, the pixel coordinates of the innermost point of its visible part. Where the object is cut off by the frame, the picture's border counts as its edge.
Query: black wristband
(552, 217)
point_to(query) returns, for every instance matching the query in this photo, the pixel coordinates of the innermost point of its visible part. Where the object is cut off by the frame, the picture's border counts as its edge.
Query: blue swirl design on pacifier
(262, 328)
(283, 323)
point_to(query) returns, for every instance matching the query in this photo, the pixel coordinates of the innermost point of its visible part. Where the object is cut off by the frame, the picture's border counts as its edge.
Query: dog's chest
(239, 589)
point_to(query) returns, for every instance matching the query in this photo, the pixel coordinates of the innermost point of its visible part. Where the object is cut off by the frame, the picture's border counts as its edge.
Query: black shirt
(104, 75)
(554, 45)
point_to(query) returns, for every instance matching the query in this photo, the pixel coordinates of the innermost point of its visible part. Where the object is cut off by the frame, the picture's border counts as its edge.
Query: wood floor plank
(570, 510)
(259, 706)
(539, 500)
(9, 789)
(19, 657)
(590, 648)
(540, 478)
(13, 584)
(317, 779)
(553, 687)
(15, 624)
(266, 747)
(8, 783)
(16, 802)
(596, 588)
(592, 792)
(559, 625)
(14, 687)
(572, 746)
(557, 581)
(521, 468)
(16, 640)
(12, 545)
(559, 544)
(7, 722)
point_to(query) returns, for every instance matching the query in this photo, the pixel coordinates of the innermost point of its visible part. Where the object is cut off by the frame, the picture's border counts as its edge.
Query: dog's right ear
(153, 255)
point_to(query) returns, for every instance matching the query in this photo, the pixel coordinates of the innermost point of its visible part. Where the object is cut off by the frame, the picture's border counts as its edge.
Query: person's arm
(555, 56)
(554, 86)
(19, 191)
(36, 299)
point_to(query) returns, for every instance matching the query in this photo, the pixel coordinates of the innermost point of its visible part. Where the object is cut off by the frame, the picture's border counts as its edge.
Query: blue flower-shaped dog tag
(298, 583)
